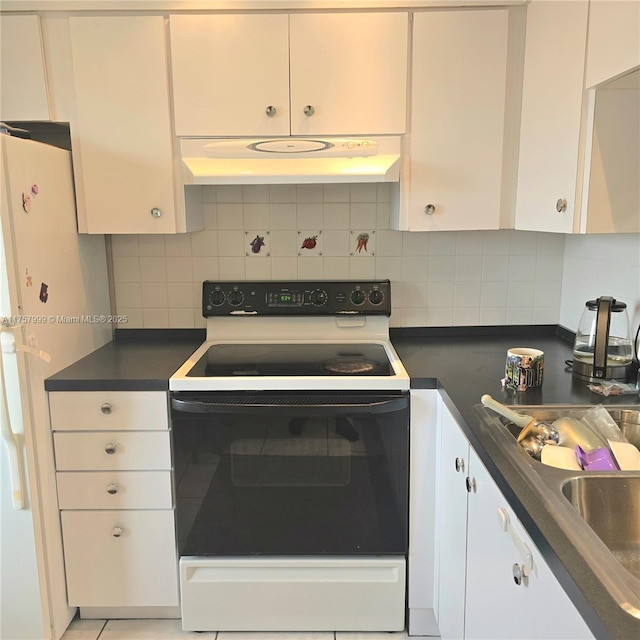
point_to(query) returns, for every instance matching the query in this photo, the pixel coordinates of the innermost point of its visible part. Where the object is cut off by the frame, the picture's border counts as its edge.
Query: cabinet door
(120, 558)
(452, 534)
(230, 74)
(613, 45)
(496, 606)
(552, 97)
(348, 73)
(613, 203)
(22, 73)
(122, 141)
(459, 72)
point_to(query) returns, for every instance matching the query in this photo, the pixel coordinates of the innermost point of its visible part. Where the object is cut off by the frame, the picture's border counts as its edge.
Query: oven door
(293, 473)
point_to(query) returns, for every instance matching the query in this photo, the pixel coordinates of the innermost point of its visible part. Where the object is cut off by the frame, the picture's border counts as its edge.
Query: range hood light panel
(337, 160)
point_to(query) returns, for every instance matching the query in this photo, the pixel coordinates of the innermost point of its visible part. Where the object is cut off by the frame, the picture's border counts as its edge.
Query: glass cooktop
(318, 359)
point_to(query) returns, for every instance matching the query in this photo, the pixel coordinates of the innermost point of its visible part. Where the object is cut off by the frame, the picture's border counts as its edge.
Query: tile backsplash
(338, 231)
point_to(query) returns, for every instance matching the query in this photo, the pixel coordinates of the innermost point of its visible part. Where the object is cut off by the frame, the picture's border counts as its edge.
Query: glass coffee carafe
(603, 349)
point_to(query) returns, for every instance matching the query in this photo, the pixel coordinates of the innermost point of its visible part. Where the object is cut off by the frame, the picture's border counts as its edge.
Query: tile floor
(171, 630)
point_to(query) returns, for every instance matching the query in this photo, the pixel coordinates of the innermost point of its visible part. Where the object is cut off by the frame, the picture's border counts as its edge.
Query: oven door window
(291, 474)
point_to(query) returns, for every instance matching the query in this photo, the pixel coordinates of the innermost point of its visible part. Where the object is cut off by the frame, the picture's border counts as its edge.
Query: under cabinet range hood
(290, 160)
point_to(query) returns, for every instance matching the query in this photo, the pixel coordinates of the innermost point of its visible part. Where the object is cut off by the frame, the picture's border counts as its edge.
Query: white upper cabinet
(121, 138)
(611, 203)
(613, 45)
(23, 81)
(552, 103)
(230, 74)
(348, 73)
(239, 75)
(457, 130)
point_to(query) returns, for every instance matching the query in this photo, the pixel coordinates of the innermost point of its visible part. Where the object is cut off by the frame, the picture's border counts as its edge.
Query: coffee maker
(603, 349)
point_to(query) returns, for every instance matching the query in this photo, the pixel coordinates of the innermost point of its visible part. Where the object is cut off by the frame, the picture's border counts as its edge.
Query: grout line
(101, 629)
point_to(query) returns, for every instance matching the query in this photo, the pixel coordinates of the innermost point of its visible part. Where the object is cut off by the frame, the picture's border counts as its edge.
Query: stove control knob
(376, 296)
(235, 298)
(357, 296)
(319, 297)
(216, 297)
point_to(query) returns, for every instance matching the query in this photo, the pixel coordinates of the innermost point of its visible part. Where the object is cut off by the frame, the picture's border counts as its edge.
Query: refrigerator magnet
(34, 189)
(26, 202)
(44, 292)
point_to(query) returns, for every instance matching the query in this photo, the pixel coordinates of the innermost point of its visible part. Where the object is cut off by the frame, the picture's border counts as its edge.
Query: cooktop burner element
(296, 359)
(350, 366)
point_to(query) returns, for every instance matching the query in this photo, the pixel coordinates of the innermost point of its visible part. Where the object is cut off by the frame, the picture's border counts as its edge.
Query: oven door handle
(289, 406)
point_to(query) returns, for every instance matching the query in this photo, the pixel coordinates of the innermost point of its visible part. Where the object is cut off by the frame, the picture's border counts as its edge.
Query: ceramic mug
(524, 368)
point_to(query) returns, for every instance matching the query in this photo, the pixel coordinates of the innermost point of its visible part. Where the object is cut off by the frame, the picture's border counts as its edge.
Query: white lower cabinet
(452, 524)
(484, 552)
(120, 558)
(114, 490)
(101, 450)
(113, 476)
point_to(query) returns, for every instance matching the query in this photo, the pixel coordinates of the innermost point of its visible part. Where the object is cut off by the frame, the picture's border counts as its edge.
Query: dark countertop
(129, 364)
(463, 368)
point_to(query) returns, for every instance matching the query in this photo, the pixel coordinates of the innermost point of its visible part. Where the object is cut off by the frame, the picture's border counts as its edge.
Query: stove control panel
(296, 298)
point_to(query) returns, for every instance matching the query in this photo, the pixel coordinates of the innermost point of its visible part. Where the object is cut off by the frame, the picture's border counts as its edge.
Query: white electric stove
(290, 436)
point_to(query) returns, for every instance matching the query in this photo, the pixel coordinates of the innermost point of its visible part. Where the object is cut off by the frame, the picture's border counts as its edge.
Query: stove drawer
(114, 490)
(120, 558)
(103, 410)
(289, 594)
(111, 451)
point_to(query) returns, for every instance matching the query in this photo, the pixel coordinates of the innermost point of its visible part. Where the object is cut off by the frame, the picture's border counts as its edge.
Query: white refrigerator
(51, 279)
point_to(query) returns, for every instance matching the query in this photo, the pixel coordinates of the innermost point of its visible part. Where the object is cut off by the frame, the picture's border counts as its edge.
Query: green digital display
(285, 297)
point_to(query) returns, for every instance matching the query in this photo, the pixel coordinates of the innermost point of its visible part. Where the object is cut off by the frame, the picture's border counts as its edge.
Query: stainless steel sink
(610, 505)
(599, 512)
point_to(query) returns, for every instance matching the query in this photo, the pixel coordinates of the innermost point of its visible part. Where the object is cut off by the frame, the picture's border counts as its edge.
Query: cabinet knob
(271, 111)
(111, 448)
(561, 205)
(517, 573)
(309, 110)
(155, 212)
(471, 484)
(430, 209)
(112, 489)
(460, 464)
(106, 408)
(116, 532)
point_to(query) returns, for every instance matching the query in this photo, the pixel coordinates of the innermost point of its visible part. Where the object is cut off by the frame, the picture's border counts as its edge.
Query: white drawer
(120, 558)
(114, 489)
(112, 451)
(105, 410)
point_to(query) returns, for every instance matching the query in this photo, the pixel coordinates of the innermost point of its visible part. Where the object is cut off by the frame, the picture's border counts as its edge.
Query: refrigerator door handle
(12, 442)
(12, 347)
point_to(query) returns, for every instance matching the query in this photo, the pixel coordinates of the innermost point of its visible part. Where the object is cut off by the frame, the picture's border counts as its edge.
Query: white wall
(439, 279)
(599, 265)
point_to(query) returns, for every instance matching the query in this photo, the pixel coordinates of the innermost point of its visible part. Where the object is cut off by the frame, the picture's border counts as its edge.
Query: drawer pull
(111, 448)
(112, 489)
(116, 532)
(106, 408)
